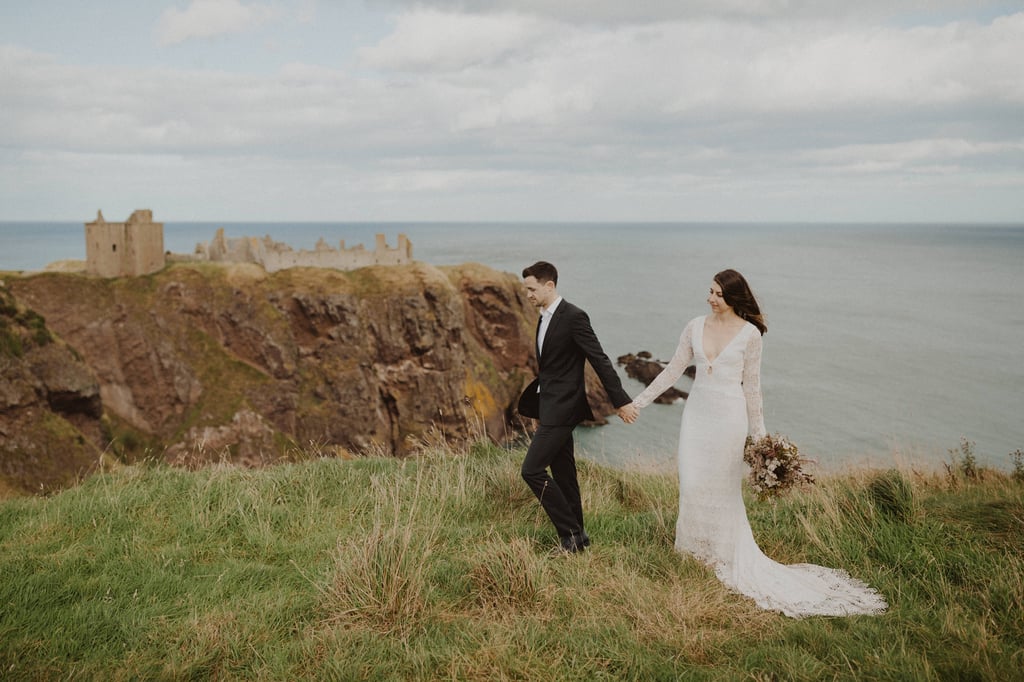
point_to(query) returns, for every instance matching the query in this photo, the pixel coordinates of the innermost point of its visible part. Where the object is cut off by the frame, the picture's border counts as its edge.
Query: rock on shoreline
(644, 368)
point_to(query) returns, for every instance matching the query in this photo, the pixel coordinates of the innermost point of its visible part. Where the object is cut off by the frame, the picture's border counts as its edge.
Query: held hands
(628, 413)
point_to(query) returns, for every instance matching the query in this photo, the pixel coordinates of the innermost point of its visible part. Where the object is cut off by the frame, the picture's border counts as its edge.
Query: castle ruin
(136, 247)
(128, 249)
(274, 256)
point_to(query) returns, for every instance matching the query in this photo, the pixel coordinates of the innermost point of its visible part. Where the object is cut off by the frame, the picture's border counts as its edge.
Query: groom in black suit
(558, 398)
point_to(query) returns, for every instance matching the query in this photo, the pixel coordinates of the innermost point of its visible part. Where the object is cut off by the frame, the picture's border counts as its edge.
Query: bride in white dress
(724, 406)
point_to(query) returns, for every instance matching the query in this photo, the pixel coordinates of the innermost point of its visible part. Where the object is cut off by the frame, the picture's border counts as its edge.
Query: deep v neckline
(703, 350)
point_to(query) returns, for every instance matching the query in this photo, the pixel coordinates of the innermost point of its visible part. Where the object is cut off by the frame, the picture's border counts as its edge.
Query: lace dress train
(723, 407)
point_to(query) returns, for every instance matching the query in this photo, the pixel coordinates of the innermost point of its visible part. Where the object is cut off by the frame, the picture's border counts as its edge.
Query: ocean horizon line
(544, 221)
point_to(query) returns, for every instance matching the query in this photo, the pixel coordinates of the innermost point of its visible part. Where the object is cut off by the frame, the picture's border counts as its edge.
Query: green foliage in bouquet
(776, 466)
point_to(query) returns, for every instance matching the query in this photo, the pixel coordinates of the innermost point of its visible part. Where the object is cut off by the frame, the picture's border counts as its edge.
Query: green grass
(19, 325)
(437, 567)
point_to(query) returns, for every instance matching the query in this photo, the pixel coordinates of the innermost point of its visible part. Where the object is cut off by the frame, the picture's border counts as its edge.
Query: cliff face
(49, 405)
(229, 361)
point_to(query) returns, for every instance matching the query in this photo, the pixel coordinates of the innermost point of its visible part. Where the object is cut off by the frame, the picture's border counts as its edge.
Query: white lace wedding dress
(723, 406)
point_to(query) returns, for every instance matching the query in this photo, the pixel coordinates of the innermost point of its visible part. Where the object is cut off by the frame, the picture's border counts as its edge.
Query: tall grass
(437, 567)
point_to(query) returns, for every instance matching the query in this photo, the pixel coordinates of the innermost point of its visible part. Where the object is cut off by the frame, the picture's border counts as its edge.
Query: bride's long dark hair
(740, 298)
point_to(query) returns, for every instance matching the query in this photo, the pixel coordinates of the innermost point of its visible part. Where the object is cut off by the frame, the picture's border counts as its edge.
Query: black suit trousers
(559, 493)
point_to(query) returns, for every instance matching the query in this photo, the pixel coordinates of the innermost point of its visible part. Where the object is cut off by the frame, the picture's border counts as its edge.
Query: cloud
(520, 69)
(209, 18)
(944, 153)
(495, 83)
(497, 114)
(429, 40)
(617, 12)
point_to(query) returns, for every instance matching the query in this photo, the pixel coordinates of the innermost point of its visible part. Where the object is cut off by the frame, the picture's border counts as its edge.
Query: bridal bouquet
(775, 465)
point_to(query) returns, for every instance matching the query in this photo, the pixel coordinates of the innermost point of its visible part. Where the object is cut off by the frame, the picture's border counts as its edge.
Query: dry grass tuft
(510, 575)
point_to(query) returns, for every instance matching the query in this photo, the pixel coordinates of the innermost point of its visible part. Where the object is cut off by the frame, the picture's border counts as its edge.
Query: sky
(513, 110)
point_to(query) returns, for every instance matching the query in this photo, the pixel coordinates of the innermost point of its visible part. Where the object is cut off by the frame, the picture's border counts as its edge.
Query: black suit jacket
(568, 342)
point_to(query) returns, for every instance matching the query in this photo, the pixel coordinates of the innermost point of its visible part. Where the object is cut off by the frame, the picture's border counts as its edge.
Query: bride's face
(716, 300)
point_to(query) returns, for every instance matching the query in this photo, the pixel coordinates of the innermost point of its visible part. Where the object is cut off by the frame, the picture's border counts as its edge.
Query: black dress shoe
(577, 542)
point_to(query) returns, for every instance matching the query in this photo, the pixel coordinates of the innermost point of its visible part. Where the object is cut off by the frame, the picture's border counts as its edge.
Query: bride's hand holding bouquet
(776, 465)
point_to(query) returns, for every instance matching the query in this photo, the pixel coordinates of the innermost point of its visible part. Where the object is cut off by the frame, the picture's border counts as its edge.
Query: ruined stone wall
(128, 249)
(144, 244)
(274, 256)
(104, 247)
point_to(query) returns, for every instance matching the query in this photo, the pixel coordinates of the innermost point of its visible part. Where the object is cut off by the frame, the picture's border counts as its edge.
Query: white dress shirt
(545, 320)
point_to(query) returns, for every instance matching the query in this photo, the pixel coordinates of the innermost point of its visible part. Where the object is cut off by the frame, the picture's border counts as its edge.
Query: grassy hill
(437, 567)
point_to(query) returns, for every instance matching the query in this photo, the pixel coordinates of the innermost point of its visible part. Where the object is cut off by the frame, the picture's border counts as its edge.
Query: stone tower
(124, 249)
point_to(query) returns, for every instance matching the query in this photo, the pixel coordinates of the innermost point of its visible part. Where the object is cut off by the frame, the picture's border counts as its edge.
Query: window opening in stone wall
(113, 247)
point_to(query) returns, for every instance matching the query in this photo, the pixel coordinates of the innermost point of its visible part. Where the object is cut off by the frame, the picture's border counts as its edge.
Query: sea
(887, 344)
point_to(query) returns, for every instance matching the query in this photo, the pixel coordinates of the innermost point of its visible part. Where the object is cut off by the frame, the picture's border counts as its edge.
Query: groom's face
(540, 294)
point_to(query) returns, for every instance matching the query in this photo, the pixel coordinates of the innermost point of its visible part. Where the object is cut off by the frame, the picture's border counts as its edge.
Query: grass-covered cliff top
(437, 567)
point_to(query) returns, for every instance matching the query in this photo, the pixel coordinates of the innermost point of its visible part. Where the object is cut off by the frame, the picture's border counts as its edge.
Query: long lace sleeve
(675, 368)
(752, 386)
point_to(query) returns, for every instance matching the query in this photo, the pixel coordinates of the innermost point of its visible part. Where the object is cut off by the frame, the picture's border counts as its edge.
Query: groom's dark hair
(543, 271)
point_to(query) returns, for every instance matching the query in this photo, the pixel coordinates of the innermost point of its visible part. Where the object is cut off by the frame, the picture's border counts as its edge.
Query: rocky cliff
(49, 405)
(202, 362)
(231, 361)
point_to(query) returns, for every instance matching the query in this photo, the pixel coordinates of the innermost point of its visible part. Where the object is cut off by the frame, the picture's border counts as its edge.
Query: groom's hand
(628, 413)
